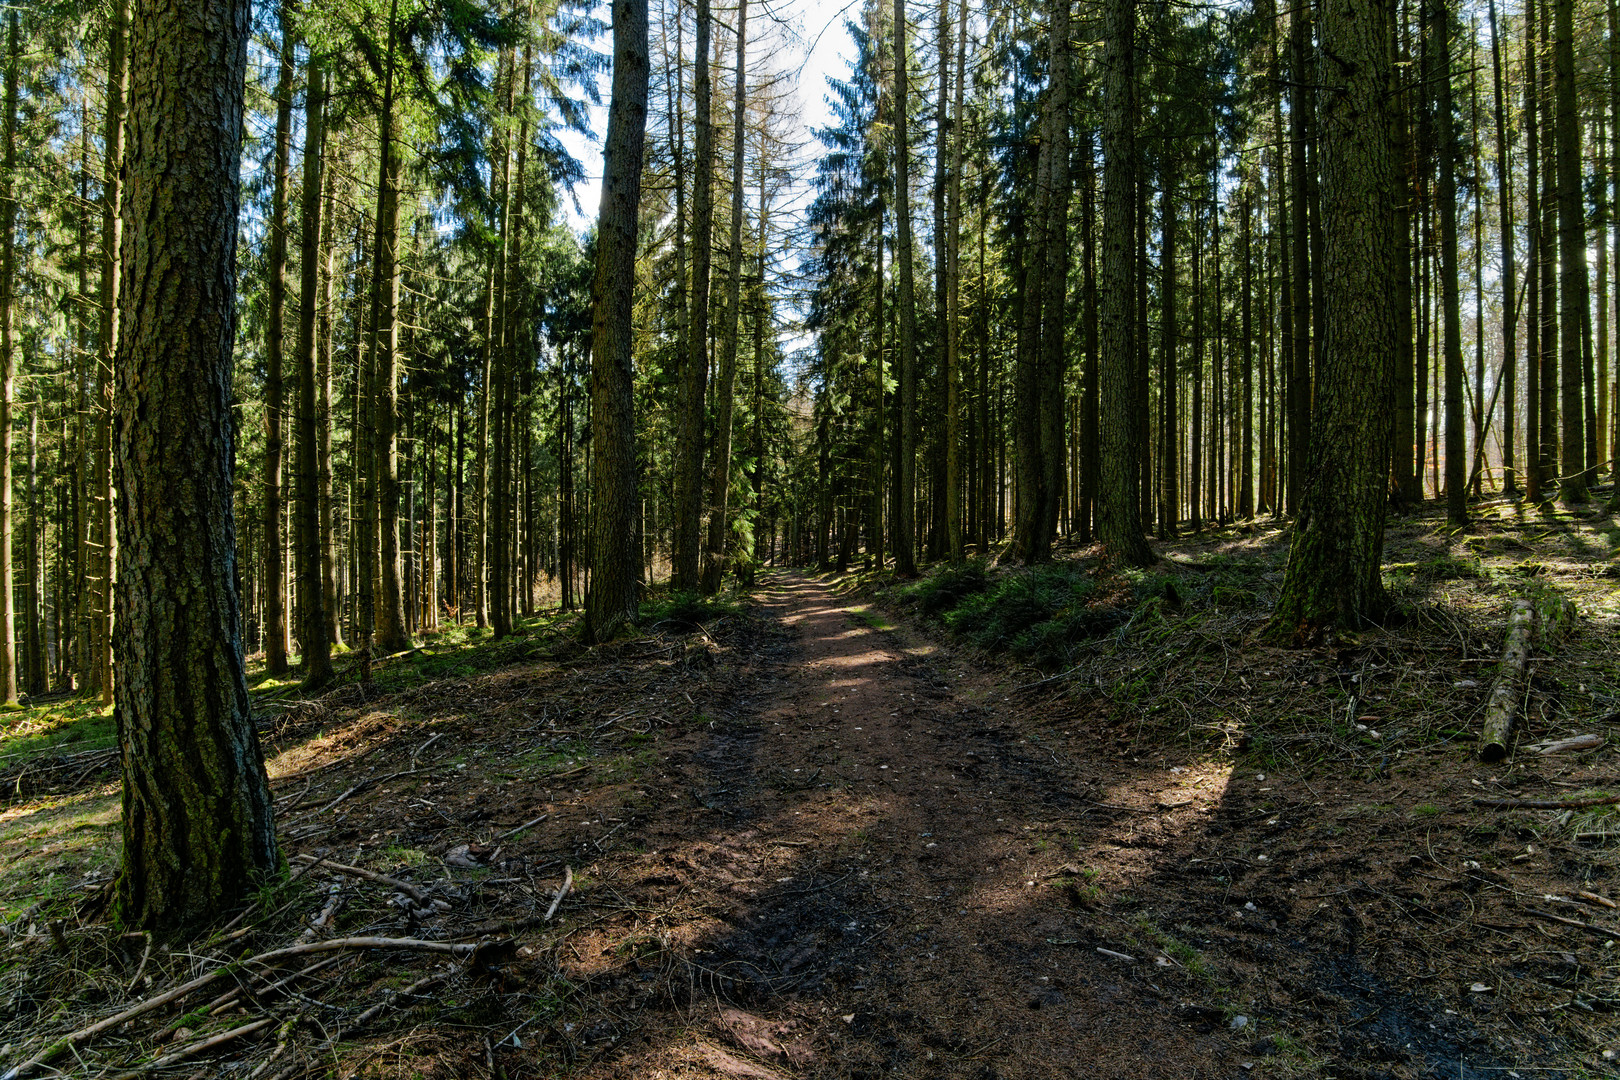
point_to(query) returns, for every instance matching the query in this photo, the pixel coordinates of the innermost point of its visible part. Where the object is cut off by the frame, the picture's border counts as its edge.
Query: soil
(806, 841)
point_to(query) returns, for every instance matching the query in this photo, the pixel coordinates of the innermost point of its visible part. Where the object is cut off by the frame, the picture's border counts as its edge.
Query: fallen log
(1504, 700)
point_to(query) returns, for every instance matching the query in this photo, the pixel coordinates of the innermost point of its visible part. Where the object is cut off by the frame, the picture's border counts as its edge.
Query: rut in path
(902, 881)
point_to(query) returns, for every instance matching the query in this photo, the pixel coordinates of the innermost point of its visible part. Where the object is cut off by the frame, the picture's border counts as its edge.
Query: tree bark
(1119, 512)
(1333, 578)
(905, 488)
(688, 506)
(1573, 286)
(1450, 299)
(611, 601)
(198, 828)
(725, 394)
(314, 642)
(275, 550)
(8, 353)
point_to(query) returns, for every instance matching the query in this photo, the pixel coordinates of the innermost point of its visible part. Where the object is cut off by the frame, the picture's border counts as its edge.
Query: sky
(817, 46)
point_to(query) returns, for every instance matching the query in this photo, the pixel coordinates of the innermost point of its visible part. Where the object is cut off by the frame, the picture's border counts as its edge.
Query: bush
(947, 588)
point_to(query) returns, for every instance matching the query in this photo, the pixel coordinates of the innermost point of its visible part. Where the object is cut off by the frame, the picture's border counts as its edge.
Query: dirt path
(899, 884)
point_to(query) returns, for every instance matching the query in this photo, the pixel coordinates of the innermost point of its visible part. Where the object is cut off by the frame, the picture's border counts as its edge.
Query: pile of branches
(120, 1006)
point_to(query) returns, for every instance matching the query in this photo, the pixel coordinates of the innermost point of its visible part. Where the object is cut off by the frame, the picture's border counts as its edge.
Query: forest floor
(816, 835)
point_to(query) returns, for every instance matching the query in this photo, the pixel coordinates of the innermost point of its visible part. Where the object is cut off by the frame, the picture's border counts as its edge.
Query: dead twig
(197, 1048)
(562, 891)
(1601, 931)
(369, 875)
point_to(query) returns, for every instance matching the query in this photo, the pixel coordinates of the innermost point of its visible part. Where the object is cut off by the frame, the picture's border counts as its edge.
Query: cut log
(1504, 701)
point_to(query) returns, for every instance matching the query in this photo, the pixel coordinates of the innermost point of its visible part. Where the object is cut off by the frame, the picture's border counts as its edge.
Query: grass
(65, 727)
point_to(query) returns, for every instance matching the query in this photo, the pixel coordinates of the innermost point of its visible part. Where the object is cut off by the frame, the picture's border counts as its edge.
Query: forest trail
(904, 884)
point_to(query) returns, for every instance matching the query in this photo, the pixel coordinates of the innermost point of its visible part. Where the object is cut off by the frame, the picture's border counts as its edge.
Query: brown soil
(803, 846)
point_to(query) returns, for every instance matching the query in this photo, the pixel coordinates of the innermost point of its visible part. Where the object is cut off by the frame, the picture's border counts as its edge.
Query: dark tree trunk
(905, 481)
(1333, 577)
(198, 829)
(688, 504)
(8, 354)
(314, 642)
(1450, 299)
(275, 556)
(1573, 288)
(611, 601)
(1119, 512)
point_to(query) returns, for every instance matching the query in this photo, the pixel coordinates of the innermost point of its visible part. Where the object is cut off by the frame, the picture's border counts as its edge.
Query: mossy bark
(198, 827)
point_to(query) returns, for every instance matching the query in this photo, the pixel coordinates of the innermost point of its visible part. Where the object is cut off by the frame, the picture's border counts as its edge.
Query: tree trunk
(953, 304)
(314, 642)
(1510, 279)
(1333, 577)
(1119, 513)
(275, 549)
(389, 625)
(105, 535)
(905, 493)
(1573, 286)
(8, 354)
(725, 394)
(1450, 299)
(688, 505)
(611, 601)
(199, 834)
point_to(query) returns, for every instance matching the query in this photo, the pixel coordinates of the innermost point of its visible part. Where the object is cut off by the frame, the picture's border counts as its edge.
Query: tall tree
(314, 641)
(905, 480)
(8, 353)
(1450, 299)
(725, 393)
(688, 504)
(198, 827)
(1119, 513)
(611, 601)
(1573, 290)
(272, 533)
(1333, 580)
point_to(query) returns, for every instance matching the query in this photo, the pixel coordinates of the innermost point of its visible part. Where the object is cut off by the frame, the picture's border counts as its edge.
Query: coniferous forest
(1234, 379)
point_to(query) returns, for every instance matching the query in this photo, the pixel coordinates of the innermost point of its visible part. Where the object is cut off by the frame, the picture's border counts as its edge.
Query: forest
(531, 547)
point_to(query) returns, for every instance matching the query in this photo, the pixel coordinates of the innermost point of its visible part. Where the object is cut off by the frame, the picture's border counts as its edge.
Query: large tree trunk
(1333, 578)
(611, 601)
(1119, 512)
(198, 829)
(725, 394)
(314, 642)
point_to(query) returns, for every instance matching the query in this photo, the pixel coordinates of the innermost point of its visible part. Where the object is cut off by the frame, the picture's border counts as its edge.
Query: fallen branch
(197, 1047)
(562, 891)
(1548, 804)
(381, 879)
(1601, 931)
(520, 828)
(74, 1038)
(1504, 700)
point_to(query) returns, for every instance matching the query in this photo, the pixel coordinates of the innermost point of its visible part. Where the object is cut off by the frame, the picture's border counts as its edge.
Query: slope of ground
(810, 839)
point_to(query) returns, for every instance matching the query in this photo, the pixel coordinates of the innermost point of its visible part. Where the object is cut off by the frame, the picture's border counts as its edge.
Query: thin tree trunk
(314, 641)
(904, 510)
(688, 508)
(275, 559)
(8, 353)
(725, 394)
